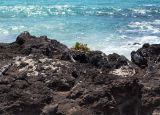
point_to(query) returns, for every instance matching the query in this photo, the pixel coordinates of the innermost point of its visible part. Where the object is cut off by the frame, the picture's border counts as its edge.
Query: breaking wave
(67, 10)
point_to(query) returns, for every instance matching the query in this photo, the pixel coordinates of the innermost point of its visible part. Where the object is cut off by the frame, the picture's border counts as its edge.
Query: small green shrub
(81, 47)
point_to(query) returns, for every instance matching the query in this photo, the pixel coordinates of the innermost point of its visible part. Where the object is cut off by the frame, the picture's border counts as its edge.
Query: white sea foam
(136, 32)
(125, 43)
(145, 27)
(125, 47)
(140, 11)
(44, 10)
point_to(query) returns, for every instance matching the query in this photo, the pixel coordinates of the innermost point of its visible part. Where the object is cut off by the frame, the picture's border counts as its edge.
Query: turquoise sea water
(106, 25)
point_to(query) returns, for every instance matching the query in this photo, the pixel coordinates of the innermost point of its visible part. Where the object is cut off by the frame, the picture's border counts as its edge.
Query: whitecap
(151, 27)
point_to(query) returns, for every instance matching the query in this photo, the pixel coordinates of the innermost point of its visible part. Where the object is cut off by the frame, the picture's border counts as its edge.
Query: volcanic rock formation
(40, 76)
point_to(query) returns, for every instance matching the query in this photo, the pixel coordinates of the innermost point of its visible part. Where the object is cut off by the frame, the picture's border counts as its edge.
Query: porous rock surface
(40, 76)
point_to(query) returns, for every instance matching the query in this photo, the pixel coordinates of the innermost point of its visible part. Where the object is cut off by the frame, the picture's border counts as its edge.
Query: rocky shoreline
(40, 76)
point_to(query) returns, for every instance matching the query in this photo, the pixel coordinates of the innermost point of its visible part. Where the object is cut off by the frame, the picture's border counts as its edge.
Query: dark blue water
(107, 25)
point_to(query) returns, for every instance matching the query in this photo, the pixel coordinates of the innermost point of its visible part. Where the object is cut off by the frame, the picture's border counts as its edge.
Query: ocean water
(106, 25)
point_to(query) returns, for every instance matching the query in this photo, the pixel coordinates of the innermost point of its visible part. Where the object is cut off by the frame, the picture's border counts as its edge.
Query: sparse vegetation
(81, 47)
